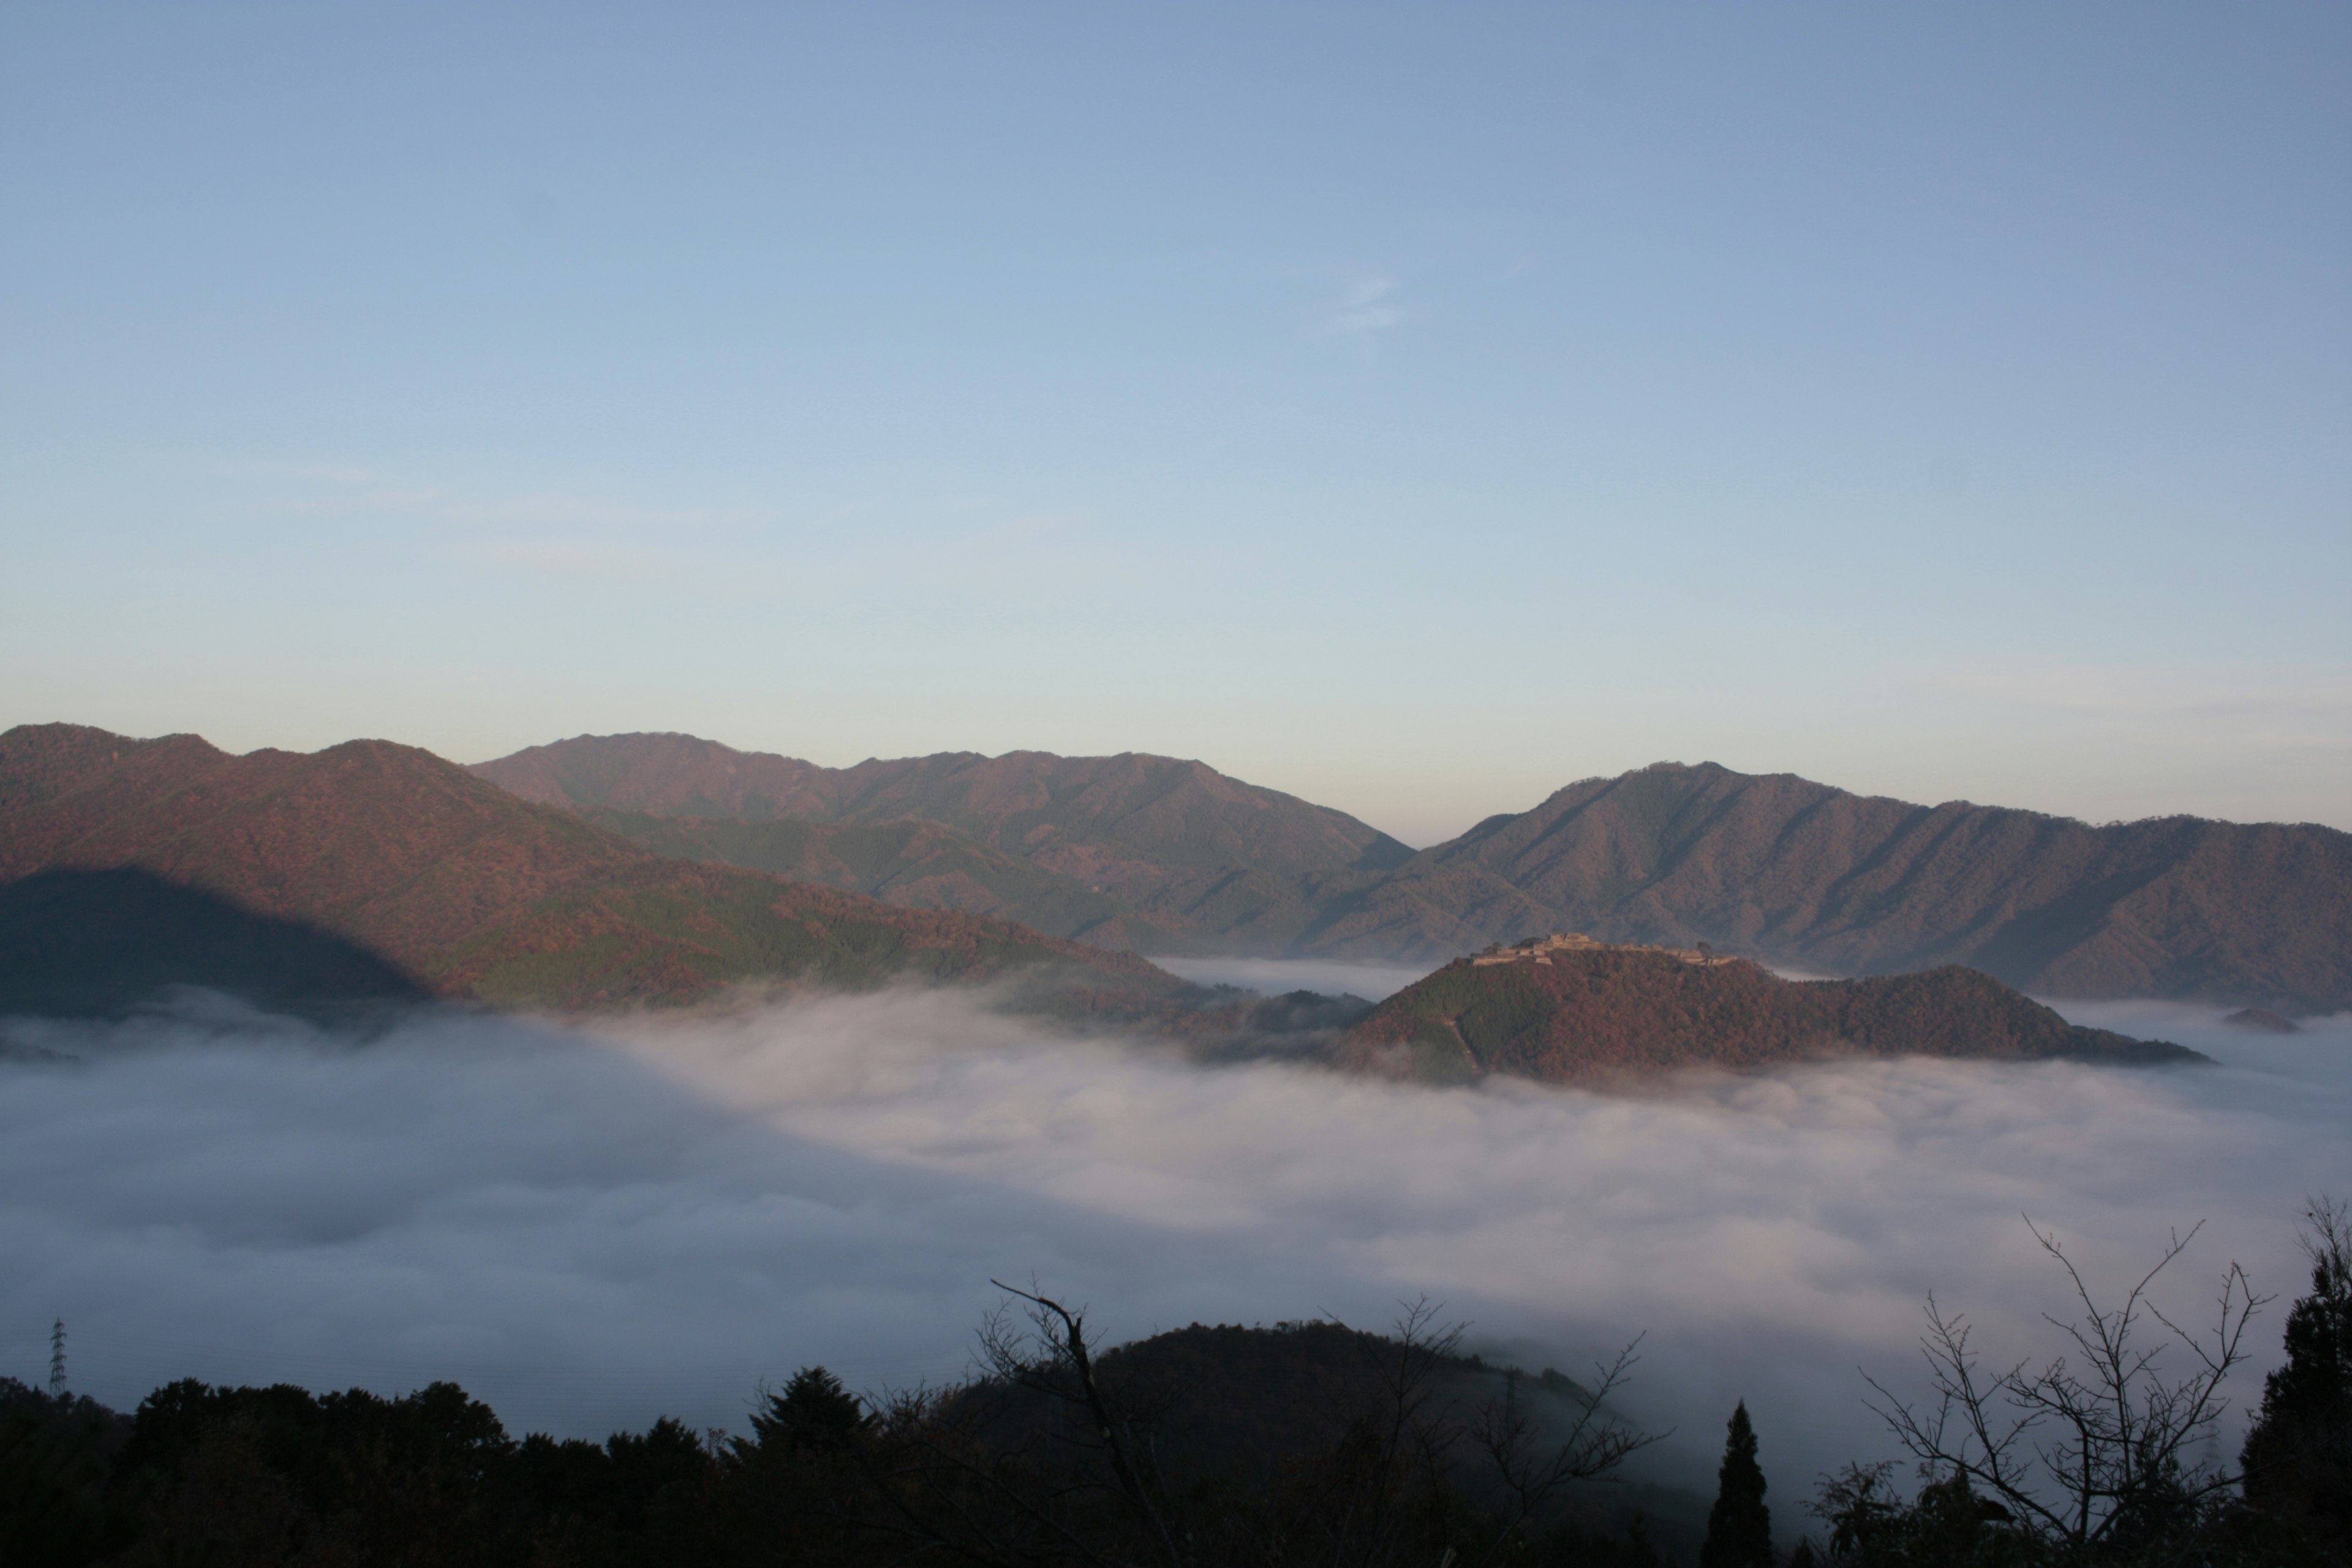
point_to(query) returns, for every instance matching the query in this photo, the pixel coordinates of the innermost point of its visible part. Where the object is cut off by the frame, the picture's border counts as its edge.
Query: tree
(2096, 1456)
(2298, 1456)
(1534, 1471)
(1738, 1526)
(814, 1411)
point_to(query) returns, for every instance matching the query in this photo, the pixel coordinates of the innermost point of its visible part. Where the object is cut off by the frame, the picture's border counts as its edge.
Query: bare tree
(2093, 1448)
(1052, 1357)
(1534, 1471)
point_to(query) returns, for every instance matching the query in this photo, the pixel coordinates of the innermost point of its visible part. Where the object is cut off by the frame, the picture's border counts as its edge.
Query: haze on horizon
(1408, 408)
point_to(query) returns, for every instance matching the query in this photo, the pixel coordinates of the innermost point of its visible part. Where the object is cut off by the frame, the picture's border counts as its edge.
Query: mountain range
(1151, 853)
(1171, 857)
(376, 872)
(371, 873)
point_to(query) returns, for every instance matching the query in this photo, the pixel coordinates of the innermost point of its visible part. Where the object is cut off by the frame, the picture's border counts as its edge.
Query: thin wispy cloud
(329, 490)
(1366, 309)
(769, 554)
(592, 559)
(2302, 695)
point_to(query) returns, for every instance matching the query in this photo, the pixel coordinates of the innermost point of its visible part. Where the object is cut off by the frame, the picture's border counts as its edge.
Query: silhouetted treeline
(1304, 1444)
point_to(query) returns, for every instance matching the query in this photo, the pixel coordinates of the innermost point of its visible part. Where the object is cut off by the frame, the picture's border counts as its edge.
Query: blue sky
(1415, 408)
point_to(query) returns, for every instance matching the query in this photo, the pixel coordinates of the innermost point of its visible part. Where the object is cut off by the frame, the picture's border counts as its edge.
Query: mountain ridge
(1798, 871)
(1190, 856)
(384, 861)
(1792, 871)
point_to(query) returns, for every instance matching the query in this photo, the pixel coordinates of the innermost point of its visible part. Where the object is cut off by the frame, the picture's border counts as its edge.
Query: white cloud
(588, 1230)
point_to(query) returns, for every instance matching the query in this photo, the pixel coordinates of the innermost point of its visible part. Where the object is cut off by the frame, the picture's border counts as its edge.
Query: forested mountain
(913, 863)
(1803, 874)
(1169, 857)
(375, 871)
(1151, 852)
(1571, 1010)
(1203, 1447)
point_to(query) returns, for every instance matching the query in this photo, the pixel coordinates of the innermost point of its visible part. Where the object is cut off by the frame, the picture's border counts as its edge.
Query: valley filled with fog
(590, 1227)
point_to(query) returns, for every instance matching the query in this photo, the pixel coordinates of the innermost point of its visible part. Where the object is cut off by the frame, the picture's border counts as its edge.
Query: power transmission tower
(58, 1359)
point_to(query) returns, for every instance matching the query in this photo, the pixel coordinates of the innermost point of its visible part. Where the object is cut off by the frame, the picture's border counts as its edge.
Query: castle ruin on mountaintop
(1539, 949)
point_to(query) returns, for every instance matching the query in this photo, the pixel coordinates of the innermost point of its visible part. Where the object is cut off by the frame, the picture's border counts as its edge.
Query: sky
(1414, 408)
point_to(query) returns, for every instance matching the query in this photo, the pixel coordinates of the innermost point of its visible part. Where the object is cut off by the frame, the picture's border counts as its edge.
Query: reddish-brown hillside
(452, 882)
(1592, 1015)
(1183, 853)
(1808, 875)
(1168, 855)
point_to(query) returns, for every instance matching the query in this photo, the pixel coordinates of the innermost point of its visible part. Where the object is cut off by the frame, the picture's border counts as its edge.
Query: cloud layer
(590, 1229)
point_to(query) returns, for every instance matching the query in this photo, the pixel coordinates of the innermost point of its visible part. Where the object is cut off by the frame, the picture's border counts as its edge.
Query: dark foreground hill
(1567, 1010)
(1167, 856)
(1244, 1449)
(377, 871)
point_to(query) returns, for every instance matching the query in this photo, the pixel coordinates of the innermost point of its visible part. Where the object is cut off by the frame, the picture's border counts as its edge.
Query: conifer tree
(813, 1412)
(2298, 1457)
(1738, 1526)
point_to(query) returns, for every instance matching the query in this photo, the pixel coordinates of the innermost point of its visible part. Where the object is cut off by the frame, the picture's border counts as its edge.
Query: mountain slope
(1169, 856)
(438, 880)
(1801, 873)
(914, 864)
(1567, 1015)
(1196, 853)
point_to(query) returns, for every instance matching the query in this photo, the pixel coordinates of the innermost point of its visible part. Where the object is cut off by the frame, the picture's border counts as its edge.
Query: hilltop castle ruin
(1539, 949)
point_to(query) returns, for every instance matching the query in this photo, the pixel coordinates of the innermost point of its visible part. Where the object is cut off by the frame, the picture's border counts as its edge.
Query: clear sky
(1414, 408)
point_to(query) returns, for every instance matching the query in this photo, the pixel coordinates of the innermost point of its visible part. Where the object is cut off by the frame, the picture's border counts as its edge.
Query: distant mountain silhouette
(369, 867)
(1164, 855)
(1591, 1014)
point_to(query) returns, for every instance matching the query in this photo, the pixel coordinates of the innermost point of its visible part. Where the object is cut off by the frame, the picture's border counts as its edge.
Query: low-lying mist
(591, 1229)
(1373, 981)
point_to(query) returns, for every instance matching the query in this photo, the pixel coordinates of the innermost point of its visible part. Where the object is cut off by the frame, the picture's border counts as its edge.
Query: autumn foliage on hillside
(1590, 1015)
(377, 870)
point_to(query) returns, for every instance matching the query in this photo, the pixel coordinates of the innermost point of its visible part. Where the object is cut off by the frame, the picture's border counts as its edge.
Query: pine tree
(813, 1412)
(1738, 1526)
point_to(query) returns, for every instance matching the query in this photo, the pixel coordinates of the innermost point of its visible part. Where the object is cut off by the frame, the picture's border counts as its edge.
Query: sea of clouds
(590, 1227)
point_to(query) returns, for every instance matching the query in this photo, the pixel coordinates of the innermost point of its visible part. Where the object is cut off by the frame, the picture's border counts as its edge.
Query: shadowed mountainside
(81, 942)
(372, 870)
(1592, 1014)
(1151, 852)
(1806, 875)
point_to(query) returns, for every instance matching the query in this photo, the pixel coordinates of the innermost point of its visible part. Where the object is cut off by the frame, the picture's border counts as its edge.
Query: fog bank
(588, 1229)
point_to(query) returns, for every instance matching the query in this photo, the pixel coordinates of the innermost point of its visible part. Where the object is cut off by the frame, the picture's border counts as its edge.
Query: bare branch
(2088, 1446)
